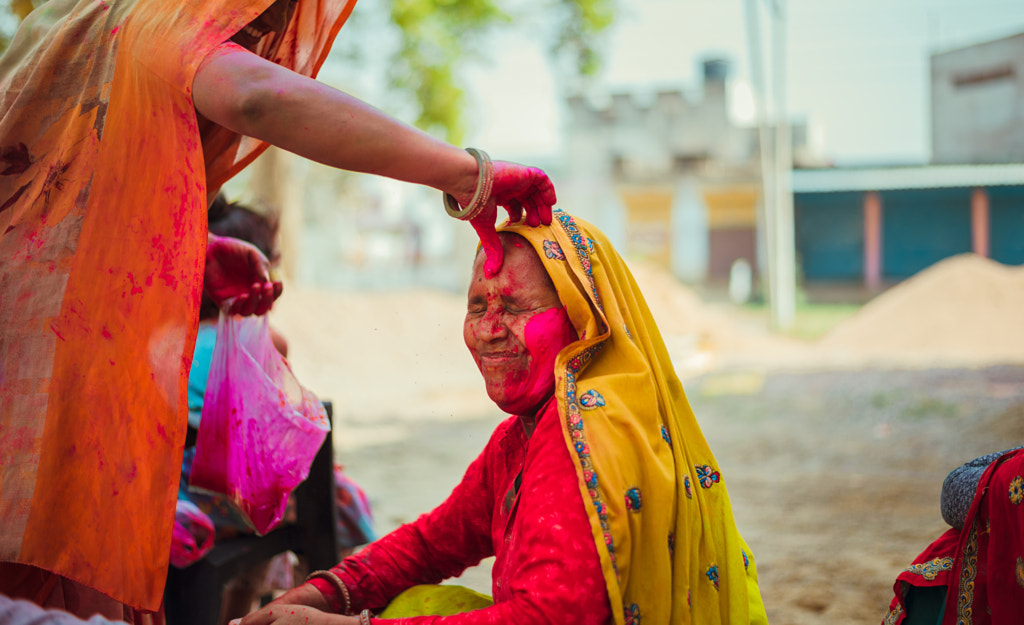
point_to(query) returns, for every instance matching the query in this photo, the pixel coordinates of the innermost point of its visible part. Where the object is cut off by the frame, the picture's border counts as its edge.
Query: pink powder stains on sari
(104, 175)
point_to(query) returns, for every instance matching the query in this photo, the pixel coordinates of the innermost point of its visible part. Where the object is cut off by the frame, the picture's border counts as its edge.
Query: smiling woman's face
(515, 326)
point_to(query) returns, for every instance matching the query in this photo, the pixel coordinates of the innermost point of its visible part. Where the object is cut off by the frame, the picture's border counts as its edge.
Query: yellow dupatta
(103, 187)
(655, 496)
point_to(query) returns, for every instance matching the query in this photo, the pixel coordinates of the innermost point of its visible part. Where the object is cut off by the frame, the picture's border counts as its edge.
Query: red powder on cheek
(550, 330)
(546, 334)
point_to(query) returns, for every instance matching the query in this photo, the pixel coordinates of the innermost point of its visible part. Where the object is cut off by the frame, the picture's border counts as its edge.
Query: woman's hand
(517, 189)
(291, 614)
(303, 604)
(237, 271)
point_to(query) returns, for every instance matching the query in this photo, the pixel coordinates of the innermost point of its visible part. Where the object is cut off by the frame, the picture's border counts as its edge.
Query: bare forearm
(257, 98)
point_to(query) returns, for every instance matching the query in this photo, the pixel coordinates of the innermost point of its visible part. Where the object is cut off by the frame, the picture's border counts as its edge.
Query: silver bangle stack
(340, 585)
(483, 189)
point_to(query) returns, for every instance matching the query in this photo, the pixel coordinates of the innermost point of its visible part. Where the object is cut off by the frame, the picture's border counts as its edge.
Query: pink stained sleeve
(551, 572)
(436, 546)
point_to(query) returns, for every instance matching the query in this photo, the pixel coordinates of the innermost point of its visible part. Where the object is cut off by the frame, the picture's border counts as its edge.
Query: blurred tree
(437, 36)
(11, 16)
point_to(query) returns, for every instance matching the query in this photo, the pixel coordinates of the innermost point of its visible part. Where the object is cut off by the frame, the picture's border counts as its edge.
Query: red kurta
(546, 567)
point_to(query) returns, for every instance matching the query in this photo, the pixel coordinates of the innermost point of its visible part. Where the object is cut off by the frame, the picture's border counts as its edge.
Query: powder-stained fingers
(533, 215)
(257, 301)
(544, 193)
(515, 211)
(544, 208)
(266, 298)
(240, 304)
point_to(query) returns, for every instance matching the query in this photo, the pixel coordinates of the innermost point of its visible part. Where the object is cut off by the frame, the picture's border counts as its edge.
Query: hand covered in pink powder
(303, 604)
(286, 614)
(238, 277)
(517, 189)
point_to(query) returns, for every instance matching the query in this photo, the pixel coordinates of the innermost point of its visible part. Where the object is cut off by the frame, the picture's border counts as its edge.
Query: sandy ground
(834, 451)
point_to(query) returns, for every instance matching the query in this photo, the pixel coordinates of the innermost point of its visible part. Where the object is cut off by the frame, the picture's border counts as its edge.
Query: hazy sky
(857, 69)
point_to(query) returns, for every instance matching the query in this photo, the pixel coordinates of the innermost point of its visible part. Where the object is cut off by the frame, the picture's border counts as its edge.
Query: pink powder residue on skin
(547, 333)
(515, 327)
(491, 245)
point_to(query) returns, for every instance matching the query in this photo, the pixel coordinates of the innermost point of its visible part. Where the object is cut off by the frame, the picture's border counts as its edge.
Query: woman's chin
(523, 406)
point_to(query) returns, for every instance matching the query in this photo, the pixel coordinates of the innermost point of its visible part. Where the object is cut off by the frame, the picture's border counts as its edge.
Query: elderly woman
(119, 121)
(599, 497)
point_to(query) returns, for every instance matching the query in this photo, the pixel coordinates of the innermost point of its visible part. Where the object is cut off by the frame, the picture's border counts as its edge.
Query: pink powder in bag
(260, 428)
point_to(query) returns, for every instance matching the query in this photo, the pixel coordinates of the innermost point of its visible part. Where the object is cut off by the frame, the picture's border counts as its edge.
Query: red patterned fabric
(546, 567)
(982, 565)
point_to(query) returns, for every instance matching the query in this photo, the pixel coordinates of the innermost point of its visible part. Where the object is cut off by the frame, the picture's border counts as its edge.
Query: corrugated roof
(914, 177)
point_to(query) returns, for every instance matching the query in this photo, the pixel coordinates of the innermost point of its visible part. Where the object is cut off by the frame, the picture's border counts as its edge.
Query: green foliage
(435, 36)
(11, 16)
(438, 36)
(582, 21)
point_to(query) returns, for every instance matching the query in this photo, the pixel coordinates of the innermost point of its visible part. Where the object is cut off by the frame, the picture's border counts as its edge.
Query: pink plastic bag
(260, 428)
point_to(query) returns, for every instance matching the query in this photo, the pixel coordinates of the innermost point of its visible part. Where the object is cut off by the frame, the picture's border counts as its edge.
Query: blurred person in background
(599, 498)
(973, 573)
(119, 122)
(235, 220)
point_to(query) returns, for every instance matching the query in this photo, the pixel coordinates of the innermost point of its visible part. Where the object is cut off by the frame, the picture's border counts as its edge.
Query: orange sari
(103, 185)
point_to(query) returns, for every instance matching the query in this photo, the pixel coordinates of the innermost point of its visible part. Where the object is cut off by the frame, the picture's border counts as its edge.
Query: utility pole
(776, 162)
(784, 304)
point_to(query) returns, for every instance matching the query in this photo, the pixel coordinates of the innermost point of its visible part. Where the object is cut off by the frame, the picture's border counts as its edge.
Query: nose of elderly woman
(491, 326)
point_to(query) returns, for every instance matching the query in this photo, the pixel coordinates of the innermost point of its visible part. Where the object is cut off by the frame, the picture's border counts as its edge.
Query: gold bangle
(483, 189)
(364, 617)
(336, 581)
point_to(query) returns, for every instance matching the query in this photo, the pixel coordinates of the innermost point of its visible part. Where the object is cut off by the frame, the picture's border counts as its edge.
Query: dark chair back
(193, 594)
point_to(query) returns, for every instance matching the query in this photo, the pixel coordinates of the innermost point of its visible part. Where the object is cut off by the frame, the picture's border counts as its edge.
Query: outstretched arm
(255, 97)
(437, 546)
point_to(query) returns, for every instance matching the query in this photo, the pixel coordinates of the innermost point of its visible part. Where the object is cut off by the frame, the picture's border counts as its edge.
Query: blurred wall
(977, 99)
(670, 177)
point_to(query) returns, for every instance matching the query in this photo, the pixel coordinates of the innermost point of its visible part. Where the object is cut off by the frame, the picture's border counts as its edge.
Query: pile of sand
(701, 336)
(963, 310)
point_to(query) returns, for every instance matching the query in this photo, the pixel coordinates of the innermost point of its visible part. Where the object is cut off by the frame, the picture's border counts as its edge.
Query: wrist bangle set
(337, 583)
(364, 616)
(483, 189)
